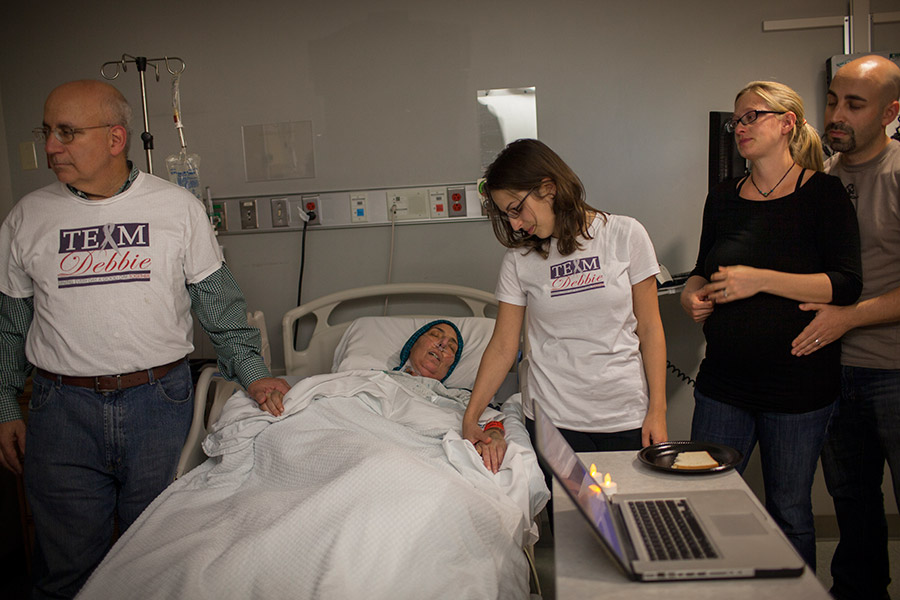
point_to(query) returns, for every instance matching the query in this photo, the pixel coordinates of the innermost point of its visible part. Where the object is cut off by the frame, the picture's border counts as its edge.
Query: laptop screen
(559, 456)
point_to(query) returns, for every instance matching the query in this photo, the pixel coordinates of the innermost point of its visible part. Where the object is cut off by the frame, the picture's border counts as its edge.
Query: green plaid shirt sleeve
(15, 319)
(222, 311)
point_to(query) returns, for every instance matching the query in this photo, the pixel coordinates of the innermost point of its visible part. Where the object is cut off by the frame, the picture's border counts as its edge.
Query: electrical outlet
(280, 212)
(249, 217)
(220, 217)
(457, 201)
(310, 204)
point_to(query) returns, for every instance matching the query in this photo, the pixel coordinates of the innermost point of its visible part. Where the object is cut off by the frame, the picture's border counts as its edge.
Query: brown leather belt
(112, 383)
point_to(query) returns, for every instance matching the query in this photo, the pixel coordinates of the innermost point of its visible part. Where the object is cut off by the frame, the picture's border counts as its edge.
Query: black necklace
(766, 194)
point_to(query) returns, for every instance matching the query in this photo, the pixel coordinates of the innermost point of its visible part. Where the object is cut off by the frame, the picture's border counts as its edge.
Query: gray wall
(623, 95)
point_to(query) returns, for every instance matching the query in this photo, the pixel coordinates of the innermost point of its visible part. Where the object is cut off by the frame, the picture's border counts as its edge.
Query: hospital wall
(623, 94)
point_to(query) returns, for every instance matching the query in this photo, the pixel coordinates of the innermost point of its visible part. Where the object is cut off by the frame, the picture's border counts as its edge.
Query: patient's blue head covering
(407, 347)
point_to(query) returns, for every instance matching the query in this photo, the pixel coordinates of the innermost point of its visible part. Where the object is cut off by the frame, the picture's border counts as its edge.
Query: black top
(748, 359)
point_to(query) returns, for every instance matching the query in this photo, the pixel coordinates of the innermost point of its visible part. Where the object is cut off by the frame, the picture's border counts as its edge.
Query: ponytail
(806, 146)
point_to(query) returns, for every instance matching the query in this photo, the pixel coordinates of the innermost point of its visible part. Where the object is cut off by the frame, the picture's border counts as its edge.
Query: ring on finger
(816, 342)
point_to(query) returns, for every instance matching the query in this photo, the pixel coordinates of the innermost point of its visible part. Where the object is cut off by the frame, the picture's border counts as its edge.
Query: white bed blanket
(362, 489)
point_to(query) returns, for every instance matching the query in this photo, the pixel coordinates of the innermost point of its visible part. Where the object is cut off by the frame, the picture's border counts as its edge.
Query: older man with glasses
(100, 273)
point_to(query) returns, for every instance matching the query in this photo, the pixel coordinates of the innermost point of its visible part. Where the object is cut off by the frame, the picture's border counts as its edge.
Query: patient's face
(434, 351)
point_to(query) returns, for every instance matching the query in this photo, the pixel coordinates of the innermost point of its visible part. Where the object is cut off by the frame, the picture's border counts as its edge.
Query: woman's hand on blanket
(474, 433)
(269, 393)
(493, 450)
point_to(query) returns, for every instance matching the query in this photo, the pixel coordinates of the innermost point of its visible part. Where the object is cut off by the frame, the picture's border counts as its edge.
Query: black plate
(661, 456)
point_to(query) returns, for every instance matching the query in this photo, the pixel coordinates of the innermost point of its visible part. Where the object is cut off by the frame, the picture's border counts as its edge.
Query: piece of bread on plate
(694, 460)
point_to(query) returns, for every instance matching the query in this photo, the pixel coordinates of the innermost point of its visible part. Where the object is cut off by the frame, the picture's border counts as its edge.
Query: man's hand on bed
(269, 393)
(493, 450)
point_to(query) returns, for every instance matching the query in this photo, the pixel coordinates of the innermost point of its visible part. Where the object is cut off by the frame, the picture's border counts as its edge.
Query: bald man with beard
(865, 428)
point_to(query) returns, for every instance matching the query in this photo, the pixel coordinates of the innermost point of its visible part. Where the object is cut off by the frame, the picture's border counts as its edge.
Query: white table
(584, 570)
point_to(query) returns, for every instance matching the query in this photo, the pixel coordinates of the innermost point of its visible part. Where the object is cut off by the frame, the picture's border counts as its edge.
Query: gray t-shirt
(874, 188)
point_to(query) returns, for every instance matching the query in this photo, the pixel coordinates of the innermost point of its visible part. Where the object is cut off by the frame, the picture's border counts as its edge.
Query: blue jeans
(92, 458)
(789, 447)
(864, 432)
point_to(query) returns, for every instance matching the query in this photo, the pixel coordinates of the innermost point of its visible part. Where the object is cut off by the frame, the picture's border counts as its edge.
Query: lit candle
(598, 478)
(609, 486)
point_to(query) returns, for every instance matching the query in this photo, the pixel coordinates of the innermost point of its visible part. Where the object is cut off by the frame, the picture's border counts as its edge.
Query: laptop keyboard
(670, 531)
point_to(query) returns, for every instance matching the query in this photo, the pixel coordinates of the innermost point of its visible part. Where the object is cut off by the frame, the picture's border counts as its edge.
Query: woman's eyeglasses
(749, 117)
(512, 212)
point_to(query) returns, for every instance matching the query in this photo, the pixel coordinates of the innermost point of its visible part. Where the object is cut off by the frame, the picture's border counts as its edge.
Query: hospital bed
(317, 356)
(428, 519)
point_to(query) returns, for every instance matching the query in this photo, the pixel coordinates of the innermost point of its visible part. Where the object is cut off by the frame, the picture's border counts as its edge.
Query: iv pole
(141, 62)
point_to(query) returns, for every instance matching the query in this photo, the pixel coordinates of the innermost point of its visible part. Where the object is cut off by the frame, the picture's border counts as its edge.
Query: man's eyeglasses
(513, 211)
(749, 117)
(65, 135)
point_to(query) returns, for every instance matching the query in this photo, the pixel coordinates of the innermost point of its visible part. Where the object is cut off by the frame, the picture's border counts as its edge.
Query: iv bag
(184, 170)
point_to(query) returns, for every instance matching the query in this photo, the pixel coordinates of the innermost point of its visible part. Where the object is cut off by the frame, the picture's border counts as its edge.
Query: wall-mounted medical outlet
(437, 198)
(358, 208)
(219, 216)
(310, 205)
(249, 217)
(457, 201)
(411, 203)
(280, 212)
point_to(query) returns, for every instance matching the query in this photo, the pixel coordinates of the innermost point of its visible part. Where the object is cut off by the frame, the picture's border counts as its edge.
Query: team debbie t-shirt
(107, 276)
(584, 364)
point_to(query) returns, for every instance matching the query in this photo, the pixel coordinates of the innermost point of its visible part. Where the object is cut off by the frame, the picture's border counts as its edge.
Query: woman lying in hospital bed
(362, 487)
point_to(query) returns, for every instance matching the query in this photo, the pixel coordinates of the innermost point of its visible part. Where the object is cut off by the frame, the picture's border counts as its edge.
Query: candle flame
(595, 474)
(607, 479)
(595, 488)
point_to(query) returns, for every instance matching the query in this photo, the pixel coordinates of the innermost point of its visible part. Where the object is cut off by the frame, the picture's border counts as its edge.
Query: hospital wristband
(494, 425)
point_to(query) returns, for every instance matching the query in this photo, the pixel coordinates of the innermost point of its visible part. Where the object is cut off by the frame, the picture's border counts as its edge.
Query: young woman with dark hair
(596, 354)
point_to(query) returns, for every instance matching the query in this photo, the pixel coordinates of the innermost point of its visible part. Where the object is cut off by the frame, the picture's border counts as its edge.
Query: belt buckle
(98, 390)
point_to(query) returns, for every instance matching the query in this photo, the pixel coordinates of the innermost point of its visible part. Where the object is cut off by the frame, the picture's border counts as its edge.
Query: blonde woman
(785, 233)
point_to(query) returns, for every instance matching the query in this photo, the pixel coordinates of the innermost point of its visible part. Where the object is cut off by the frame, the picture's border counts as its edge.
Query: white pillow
(375, 343)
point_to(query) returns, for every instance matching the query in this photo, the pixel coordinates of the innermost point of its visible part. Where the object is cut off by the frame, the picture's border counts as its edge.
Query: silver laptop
(711, 534)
